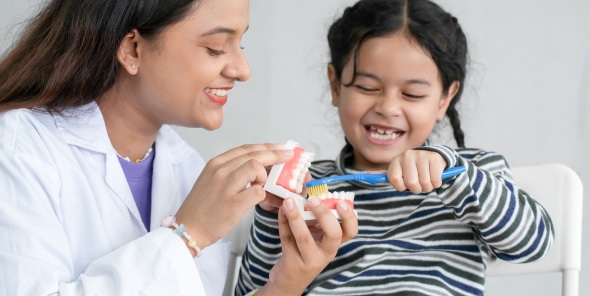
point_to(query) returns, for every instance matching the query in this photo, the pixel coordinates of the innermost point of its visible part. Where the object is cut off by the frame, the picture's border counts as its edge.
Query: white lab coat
(68, 221)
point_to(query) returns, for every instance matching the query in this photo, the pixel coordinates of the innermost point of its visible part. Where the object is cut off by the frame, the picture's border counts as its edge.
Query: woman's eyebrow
(221, 30)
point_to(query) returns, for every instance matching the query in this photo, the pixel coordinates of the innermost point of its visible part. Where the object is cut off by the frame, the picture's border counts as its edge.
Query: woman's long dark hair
(66, 56)
(433, 28)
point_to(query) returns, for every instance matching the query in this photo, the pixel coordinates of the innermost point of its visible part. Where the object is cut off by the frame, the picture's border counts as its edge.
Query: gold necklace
(136, 160)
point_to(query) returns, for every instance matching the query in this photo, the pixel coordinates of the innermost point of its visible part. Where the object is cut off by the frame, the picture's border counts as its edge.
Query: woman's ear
(128, 54)
(446, 100)
(334, 85)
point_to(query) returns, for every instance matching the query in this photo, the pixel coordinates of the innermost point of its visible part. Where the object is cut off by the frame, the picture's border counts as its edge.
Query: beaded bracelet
(181, 231)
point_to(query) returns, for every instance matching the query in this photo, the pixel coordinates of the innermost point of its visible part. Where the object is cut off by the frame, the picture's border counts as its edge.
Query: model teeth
(217, 92)
(342, 195)
(299, 172)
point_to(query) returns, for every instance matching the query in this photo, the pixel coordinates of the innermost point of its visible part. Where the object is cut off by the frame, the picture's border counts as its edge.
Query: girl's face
(184, 76)
(394, 102)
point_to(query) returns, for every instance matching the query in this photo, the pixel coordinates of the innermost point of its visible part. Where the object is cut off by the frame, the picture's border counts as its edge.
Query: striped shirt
(435, 243)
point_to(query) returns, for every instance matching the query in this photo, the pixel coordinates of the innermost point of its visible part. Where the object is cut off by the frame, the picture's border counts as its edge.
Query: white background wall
(527, 96)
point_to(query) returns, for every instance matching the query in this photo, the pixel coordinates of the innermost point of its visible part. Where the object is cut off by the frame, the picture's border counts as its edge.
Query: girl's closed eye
(413, 96)
(366, 88)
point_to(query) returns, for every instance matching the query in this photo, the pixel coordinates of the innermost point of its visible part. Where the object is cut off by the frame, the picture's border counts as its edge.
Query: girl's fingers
(424, 177)
(289, 219)
(332, 231)
(396, 177)
(436, 170)
(349, 221)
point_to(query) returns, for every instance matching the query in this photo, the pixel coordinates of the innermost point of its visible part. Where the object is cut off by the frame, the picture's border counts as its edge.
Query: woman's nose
(238, 68)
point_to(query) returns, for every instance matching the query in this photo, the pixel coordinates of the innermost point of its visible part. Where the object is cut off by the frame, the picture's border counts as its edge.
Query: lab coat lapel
(116, 180)
(91, 135)
(166, 196)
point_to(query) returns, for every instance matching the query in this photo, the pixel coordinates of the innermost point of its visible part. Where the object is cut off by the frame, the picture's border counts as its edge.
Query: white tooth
(299, 187)
(350, 196)
(389, 132)
(380, 131)
(292, 183)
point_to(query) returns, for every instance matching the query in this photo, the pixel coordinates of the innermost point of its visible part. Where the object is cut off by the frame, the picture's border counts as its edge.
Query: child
(398, 67)
(91, 170)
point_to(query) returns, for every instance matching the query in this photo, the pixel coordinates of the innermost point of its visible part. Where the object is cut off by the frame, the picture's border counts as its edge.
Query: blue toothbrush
(319, 186)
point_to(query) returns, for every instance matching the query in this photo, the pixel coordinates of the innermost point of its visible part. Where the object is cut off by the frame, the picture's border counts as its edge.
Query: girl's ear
(446, 100)
(334, 85)
(128, 53)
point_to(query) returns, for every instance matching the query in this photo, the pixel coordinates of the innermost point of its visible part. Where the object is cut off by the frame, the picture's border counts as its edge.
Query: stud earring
(133, 66)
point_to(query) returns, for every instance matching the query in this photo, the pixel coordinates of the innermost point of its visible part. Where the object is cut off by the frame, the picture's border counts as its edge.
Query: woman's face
(184, 76)
(394, 102)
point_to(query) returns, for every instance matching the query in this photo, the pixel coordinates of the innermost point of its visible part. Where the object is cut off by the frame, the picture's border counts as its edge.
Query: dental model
(331, 199)
(287, 180)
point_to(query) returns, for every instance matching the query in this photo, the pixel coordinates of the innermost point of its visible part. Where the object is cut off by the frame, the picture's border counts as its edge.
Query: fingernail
(279, 146)
(343, 206)
(288, 153)
(289, 204)
(313, 201)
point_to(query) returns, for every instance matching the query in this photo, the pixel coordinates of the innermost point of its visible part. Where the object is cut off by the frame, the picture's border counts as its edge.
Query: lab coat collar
(84, 127)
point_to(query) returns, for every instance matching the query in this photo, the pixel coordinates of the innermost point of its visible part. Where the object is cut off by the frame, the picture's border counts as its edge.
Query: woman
(90, 168)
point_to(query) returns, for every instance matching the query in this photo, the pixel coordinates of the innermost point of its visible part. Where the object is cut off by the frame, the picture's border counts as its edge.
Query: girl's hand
(306, 254)
(229, 185)
(416, 170)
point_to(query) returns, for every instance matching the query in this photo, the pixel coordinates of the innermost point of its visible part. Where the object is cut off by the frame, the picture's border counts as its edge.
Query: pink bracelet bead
(169, 221)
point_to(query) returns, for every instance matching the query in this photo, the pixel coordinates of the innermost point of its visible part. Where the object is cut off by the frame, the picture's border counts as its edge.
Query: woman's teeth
(217, 92)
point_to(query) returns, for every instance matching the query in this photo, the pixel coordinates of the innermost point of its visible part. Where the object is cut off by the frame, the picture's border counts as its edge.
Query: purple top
(139, 178)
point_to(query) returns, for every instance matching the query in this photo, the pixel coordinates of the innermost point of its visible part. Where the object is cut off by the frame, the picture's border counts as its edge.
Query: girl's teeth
(388, 136)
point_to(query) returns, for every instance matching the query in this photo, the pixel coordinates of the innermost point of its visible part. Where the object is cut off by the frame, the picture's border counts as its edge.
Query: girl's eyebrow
(418, 81)
(411, 81)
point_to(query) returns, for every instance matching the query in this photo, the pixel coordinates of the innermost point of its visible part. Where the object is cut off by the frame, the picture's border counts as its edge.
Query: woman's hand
(307, 252)
(416, 170)
(272, 203)
(229, 185)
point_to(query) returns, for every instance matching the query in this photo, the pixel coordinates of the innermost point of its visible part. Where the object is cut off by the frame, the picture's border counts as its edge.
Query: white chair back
(559, 189)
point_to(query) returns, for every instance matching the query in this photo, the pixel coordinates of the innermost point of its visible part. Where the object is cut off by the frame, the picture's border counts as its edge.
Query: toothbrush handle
(371, 178)
(382, 178)
(377, 178)
(451, 172)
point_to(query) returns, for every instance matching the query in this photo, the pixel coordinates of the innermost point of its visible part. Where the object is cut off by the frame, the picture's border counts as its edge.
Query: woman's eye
(215, 52)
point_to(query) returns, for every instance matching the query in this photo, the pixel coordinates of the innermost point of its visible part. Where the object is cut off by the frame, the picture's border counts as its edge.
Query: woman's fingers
(265, 154)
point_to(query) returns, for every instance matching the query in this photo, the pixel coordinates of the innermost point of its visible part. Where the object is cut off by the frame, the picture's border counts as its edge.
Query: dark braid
(456, 125)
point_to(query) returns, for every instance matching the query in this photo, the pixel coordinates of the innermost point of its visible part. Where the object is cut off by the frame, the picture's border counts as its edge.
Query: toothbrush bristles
(317, 190)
